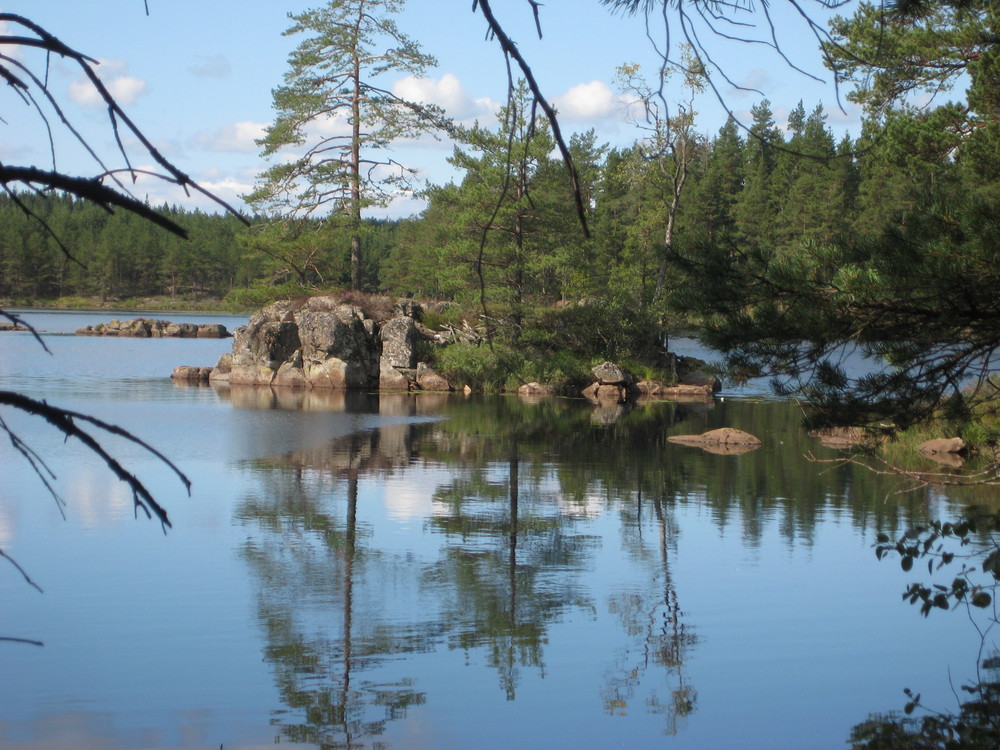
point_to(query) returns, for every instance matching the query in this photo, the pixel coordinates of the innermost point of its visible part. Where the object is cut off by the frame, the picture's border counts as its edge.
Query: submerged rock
(942, 445)
(191, 373)
(727, 440)
(842, 438)
(534, 390)
(679, 392)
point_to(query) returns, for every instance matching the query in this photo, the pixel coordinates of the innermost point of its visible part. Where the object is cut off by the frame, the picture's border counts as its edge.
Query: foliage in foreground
(973, 544)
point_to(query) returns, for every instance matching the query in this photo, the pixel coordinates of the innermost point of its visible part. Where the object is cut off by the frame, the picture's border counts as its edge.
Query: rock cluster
(145, 328)
(614, 383)
(321, 342)
(329, 342)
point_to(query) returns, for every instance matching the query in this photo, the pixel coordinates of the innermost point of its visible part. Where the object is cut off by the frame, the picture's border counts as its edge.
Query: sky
(197, 77)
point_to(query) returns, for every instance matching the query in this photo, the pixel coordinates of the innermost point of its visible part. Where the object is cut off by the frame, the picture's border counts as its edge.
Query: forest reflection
(506, 548)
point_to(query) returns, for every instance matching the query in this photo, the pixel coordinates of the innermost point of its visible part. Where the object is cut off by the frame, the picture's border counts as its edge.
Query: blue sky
(196, 77)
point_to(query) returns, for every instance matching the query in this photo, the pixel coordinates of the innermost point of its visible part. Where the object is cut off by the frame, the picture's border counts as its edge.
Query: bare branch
(89, 189)
(22, 571)
(510, 50)
(45, 41)
(65, 421)
(29, 641)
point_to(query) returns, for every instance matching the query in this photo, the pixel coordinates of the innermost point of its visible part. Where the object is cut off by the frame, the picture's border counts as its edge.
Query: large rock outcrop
(399, 341)
(321, 342)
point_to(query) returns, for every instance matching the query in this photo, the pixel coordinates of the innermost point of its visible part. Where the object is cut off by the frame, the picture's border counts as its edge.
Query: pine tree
(714, 200)
(336, 121)
(808, 195)
(754, 210)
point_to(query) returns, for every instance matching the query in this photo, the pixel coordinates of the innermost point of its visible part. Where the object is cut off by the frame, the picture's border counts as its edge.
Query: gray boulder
(942, 445)
(430, 380)
(608, 373)
(318, 343)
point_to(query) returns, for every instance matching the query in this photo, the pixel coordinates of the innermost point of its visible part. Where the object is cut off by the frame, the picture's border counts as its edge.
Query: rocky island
(328, 342)
(145, 328)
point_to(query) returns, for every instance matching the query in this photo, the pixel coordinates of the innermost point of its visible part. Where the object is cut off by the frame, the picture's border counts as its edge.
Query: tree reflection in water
(309, 566)
(651, 617)
(507, 552)
(504, 574)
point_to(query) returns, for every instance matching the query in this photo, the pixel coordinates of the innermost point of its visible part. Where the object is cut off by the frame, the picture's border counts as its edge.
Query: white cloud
(447, 92)
(849, 116)
(12, 51)
(227, 185)
(124, 88)
(590, 102)
(330, 125)
(213, 67)
(781, 114)
(239, 137)
(228, 188)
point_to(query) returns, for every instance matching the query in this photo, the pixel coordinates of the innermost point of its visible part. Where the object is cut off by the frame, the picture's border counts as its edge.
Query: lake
(431, 571)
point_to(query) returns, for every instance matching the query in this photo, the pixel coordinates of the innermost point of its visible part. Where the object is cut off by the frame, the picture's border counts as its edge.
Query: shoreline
(142, 305)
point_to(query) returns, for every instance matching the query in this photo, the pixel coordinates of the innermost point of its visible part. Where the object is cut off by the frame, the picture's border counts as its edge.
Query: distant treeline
(113, 255)
(119, 255)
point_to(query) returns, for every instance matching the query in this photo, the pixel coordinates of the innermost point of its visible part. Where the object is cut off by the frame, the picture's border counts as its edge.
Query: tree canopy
(916, 289)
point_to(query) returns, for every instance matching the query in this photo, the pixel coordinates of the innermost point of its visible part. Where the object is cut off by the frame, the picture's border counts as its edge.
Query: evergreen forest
(782, 188)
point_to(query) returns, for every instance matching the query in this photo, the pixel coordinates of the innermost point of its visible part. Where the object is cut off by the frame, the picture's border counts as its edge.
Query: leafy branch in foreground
(919, 297)
(977, 538)
(974, 544)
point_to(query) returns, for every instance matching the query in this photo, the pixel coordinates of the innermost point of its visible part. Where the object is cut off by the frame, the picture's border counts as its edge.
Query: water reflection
(319, 587)
(653, 622)
(508, 566)
(441, 571)
(507, 551)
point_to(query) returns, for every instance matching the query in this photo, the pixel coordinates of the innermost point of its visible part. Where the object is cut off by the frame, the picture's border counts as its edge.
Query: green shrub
(563, 370)
(438, 315)
(255, 297)
(480, 367)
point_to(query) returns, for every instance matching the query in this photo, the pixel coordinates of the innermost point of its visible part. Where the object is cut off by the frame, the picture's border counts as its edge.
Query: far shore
(158, 305)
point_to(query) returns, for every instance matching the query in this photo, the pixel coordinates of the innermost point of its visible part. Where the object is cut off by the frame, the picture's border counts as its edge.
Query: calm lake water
(442, 572)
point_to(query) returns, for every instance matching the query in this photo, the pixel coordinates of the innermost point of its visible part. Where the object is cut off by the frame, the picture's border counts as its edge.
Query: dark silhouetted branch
(66, 421)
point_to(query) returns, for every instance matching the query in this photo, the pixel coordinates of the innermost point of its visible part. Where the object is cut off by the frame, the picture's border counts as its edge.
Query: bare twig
(66, 421)
(29, 641)
(510, 50)
(20, 570)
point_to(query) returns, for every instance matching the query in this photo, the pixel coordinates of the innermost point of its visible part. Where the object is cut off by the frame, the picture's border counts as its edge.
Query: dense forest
(781, 186)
